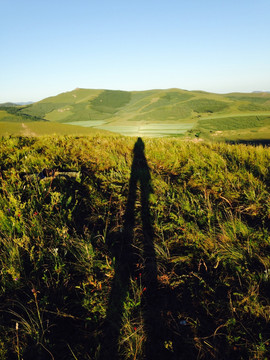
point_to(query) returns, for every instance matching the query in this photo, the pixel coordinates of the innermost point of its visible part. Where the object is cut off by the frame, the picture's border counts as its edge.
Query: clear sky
(52, 46)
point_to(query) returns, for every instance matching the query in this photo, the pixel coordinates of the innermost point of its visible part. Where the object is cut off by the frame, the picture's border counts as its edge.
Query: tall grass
(60, 239)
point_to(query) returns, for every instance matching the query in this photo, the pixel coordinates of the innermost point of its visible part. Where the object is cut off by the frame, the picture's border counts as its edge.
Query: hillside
(43, 128)
(158, 112)
(133, 249)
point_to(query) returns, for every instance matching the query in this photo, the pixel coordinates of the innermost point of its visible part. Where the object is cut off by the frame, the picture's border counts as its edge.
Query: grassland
(146, 113)
(15, 114)
(156, 249)
(44, 128)
(237, 128)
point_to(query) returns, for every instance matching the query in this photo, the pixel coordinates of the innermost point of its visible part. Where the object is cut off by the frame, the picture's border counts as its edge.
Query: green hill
(157, 112)
(158, 105)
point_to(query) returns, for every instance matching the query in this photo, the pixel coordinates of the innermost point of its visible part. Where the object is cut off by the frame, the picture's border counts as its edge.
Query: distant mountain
(8, 104)
(24, 103)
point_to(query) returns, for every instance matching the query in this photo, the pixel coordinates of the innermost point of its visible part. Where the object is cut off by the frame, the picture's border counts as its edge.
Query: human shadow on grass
(125, 268)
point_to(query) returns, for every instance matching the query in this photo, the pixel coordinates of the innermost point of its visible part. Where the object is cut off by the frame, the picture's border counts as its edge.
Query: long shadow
(125, 267)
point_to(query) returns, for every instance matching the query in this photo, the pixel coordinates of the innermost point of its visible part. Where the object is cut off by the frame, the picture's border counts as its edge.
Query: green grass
(41, 109)
(5, 116)
(110, 100)
(250, 106)
(208, 105)
(146, 129)
(44, 128)
(16, 113)
(261, 98)
(234, 122)
(73, 97)
(235, 128)
(169, 98)
(63, 287)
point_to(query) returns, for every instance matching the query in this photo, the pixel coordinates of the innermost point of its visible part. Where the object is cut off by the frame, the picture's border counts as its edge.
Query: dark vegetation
(40, 109)
(261, 142)
(207, 105)
(234, 122)
(154, 249)
(18, 114)
(109, 101)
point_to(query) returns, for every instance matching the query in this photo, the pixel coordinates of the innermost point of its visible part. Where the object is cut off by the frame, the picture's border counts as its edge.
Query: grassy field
(237, 128)
(133, 249)
(137, 128)
(37, 128)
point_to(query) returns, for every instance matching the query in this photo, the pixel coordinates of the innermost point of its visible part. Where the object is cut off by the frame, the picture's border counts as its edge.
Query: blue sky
(52, 46)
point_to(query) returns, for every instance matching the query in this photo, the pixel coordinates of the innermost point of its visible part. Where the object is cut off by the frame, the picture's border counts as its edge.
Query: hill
(131, 249)
(159, 112)
(8, 104)
(12, 113)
